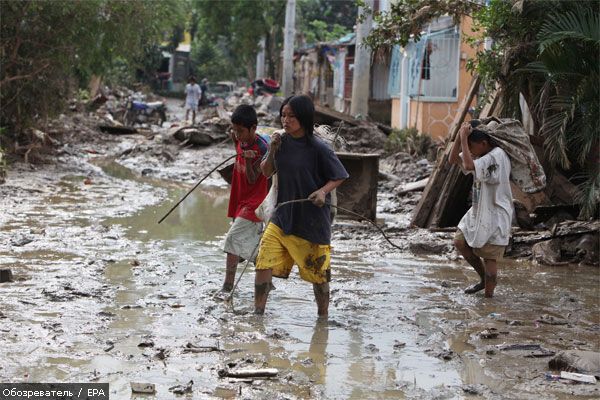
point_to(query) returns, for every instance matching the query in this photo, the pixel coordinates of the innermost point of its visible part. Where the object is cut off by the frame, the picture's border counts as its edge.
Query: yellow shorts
(279, 252)
(487, 252)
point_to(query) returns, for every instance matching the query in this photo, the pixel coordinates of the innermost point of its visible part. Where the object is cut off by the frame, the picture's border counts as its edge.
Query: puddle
(117, 298)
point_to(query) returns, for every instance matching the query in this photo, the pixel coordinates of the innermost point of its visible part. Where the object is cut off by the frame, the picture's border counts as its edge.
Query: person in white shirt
(484, 231)
(192, 98)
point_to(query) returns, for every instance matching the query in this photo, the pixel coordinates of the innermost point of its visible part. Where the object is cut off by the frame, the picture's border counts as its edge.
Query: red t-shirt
(246, 197)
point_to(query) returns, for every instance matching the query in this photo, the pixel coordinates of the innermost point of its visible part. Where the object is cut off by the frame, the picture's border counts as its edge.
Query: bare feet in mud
(475, 288)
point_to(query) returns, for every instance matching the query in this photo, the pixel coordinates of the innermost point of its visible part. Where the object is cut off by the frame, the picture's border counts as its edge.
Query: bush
(410, 141)
(48, 47)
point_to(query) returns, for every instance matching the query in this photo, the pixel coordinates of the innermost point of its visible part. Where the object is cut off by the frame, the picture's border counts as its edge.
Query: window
(434, 62)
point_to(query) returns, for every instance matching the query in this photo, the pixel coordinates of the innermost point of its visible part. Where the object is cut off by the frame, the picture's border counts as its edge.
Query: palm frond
(581, 24)
(589, 195)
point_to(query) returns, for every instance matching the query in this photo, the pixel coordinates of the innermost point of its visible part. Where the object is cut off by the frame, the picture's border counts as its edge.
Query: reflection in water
(202, 216)
(390, 315)
(315, 366)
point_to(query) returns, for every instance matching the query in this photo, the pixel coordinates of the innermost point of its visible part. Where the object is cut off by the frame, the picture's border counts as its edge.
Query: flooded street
(102, 293)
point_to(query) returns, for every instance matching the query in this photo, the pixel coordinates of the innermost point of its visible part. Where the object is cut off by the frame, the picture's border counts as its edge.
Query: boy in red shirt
(248, 190)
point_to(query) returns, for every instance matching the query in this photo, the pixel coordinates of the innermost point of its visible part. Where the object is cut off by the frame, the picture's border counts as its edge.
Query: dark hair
(478, 136)
(304, 110)
(244, 115)
(475, 123)
(192, 78)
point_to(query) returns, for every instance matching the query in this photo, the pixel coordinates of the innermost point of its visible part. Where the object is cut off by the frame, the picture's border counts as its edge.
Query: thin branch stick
(361, 217)
(194, 188)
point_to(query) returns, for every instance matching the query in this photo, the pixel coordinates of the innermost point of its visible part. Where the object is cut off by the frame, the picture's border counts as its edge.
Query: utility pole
(362, 65)
(287, 86)
(260, 59)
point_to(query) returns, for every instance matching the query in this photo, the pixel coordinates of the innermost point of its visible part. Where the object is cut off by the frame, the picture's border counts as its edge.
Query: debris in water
(551, 320)
(6, 275)
(21, 241)
(182, 389)
(146, 343)
(148, 388)
(192, 348)
(248, 373)
(491, 333)
(578, 377)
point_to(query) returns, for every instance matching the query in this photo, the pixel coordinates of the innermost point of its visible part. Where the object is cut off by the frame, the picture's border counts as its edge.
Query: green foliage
(410, 141)
(331, 12)
(513, 27)
(236, 27)
(319, 31)
(120, 73)
(569, 44)
(212, 61)
(546, 50)
(325, 20)
(407, 18)
(48, 47)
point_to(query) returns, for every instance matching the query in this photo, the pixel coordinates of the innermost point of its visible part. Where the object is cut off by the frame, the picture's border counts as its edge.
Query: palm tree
(569, 103)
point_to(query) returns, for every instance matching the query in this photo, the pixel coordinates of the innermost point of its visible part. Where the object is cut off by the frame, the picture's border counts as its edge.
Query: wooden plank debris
(578, 377)
(248, 373)
(437, 181)
(413, 186)
(327, 116)
(147, 388)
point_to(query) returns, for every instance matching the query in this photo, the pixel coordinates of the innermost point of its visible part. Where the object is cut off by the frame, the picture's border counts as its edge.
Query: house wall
(435, 116)
(339, 79)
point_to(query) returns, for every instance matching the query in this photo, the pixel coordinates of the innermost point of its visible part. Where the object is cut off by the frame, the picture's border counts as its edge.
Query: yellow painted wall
(395, 122)
(435, 118)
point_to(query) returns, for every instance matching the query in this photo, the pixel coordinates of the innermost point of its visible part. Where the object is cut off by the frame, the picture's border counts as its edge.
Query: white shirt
(489, 219)
(192, 93)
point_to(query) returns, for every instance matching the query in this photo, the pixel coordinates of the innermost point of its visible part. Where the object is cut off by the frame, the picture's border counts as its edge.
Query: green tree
(569, 102)
(319, 31)
(238, 26)
(325, 20)
(48, 47)
(547, 51)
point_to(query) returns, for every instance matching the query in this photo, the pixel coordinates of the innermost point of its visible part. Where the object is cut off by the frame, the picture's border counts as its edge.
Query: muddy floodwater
(102, 293)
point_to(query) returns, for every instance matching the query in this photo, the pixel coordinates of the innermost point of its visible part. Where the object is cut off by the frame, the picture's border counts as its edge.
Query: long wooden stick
(194, 188)
(422, 212)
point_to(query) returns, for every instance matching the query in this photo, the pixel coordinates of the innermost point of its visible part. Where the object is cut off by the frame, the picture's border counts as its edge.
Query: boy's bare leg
(187, 114)
(476, 262)
(262, 287)
(230, 269)
(193, 117)
(491, 272)
(321, 291)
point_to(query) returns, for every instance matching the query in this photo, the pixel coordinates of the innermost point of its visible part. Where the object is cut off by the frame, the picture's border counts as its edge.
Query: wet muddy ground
(102, 293)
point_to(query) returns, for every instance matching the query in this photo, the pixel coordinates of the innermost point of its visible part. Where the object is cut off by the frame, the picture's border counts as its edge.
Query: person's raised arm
(467, 159)
(267, 166)
(454, 157)
(253, 169)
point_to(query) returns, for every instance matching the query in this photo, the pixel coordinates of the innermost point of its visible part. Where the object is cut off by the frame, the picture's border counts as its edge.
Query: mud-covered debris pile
(366, 137)
(406, 167)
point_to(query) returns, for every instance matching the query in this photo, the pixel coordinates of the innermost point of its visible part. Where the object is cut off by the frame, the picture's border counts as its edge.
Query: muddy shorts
(191, 105)
(487, 252)
(242, 238)
(279, 252)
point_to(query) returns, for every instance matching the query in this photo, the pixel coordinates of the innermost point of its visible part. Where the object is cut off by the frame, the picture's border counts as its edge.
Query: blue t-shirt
(303, 166)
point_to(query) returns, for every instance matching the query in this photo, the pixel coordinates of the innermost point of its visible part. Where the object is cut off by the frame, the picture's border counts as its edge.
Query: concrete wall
(381, 110)
(436, 117)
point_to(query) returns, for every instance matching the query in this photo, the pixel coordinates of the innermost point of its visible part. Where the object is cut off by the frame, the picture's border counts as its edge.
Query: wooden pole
(422, 213)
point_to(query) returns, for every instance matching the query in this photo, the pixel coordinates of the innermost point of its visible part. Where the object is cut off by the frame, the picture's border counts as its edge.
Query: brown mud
(102, 293)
